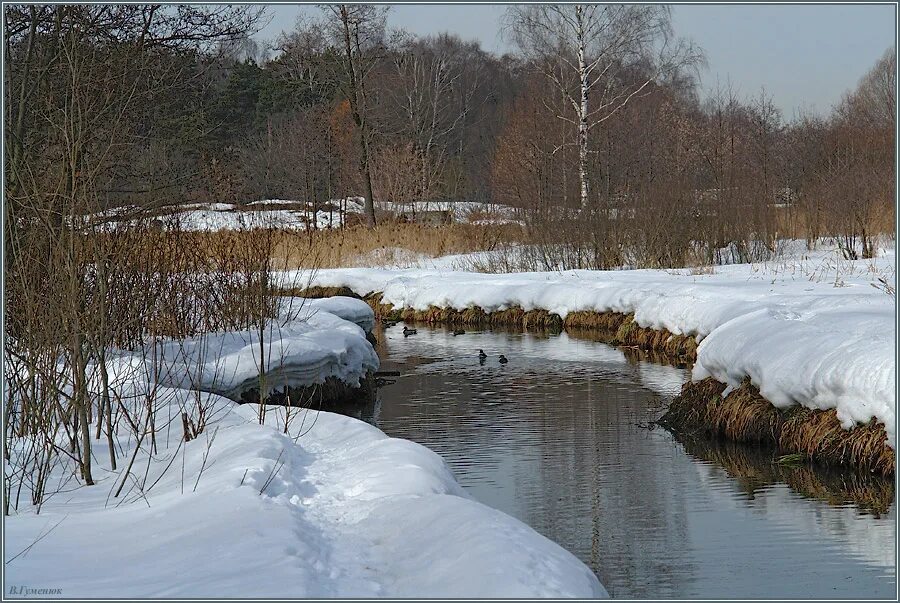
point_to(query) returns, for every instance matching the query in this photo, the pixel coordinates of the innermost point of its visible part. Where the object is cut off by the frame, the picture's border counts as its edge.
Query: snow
(275, 213)
(463, 211)
(349, 513)
(809, 328)
(305, 346)
(263, 202)
(349, 308)
(211, 217)
(311, 504)
(226, 219)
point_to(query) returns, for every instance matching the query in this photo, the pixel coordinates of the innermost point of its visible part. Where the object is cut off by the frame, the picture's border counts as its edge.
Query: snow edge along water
(331, 508)
(818, 335)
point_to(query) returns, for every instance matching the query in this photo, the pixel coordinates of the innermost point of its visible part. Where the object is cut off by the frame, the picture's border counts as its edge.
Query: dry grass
(745, 416)
(352, 246)
(316, 292)
(658, 340)
(602, 321)
(539, 320)
(819, 434)
(361, 246)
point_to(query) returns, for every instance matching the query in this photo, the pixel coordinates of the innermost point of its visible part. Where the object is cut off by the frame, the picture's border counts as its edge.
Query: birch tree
(591, 54)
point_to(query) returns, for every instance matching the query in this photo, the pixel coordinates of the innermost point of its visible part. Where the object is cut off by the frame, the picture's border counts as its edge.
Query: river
(562, 438)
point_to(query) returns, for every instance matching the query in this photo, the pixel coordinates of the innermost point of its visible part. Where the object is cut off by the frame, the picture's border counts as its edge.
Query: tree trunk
(358, 120)
(582, 113)
(81, 405)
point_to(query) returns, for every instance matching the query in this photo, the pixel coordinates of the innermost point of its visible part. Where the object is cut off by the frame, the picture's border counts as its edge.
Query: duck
(407, 331)
(458, 332)
(482, 355)
(503, 359)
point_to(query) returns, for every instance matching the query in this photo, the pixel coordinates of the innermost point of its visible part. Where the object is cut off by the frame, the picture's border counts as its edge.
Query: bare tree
(586, 51)
(360, 30)
(875, 98)
(430, 94)
(90, 79)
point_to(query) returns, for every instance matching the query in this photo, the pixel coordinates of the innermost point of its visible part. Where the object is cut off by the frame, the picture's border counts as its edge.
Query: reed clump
(744, 415)
(602, 321)
(477, 317)
(661, 340)
(819, 434)
(390, 242)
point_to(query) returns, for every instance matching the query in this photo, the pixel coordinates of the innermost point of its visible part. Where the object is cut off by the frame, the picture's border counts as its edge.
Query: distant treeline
(596, 116)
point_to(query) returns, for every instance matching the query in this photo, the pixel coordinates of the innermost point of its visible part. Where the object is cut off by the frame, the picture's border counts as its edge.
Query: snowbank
(810, 330)
(228, 219)
(344, 511)
(320, 505)
(348, 308)
(305, 346)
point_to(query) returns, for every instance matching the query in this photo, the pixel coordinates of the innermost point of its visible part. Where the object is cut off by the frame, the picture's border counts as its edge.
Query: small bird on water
(458, 332)
(482, 355)
(407, 331)
(503, 359)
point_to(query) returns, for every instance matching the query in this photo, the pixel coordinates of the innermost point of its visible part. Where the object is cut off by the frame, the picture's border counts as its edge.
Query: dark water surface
(558, 438)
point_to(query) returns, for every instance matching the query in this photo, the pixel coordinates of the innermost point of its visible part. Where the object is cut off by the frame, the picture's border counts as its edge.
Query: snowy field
(292, 215)
(312, 504)
(810, 328)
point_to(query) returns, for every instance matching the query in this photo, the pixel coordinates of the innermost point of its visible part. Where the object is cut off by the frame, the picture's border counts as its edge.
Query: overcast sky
(804, 56)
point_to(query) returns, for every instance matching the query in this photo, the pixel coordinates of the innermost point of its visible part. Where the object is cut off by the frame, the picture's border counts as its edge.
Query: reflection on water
(755, 470)
(558, 438)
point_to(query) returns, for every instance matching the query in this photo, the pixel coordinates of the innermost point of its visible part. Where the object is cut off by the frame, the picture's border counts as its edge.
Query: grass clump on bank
(745, 416)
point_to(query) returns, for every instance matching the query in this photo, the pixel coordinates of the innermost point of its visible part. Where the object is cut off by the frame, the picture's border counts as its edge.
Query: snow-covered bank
(311, 504)
(811, 329)
(311, 341)
(344, 511)
(349, 308)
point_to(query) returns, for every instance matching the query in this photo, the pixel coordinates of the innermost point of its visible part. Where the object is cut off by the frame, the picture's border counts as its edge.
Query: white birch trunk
(582, 110)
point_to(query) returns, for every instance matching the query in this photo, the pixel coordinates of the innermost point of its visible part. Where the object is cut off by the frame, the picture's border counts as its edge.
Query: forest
(615, 144)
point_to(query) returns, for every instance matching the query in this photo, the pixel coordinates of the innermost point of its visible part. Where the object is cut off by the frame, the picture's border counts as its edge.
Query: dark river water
(559, 438)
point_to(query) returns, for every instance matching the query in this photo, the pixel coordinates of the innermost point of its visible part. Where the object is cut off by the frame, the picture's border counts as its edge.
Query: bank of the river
(743, 415)
(812, 331)
(309, 504)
